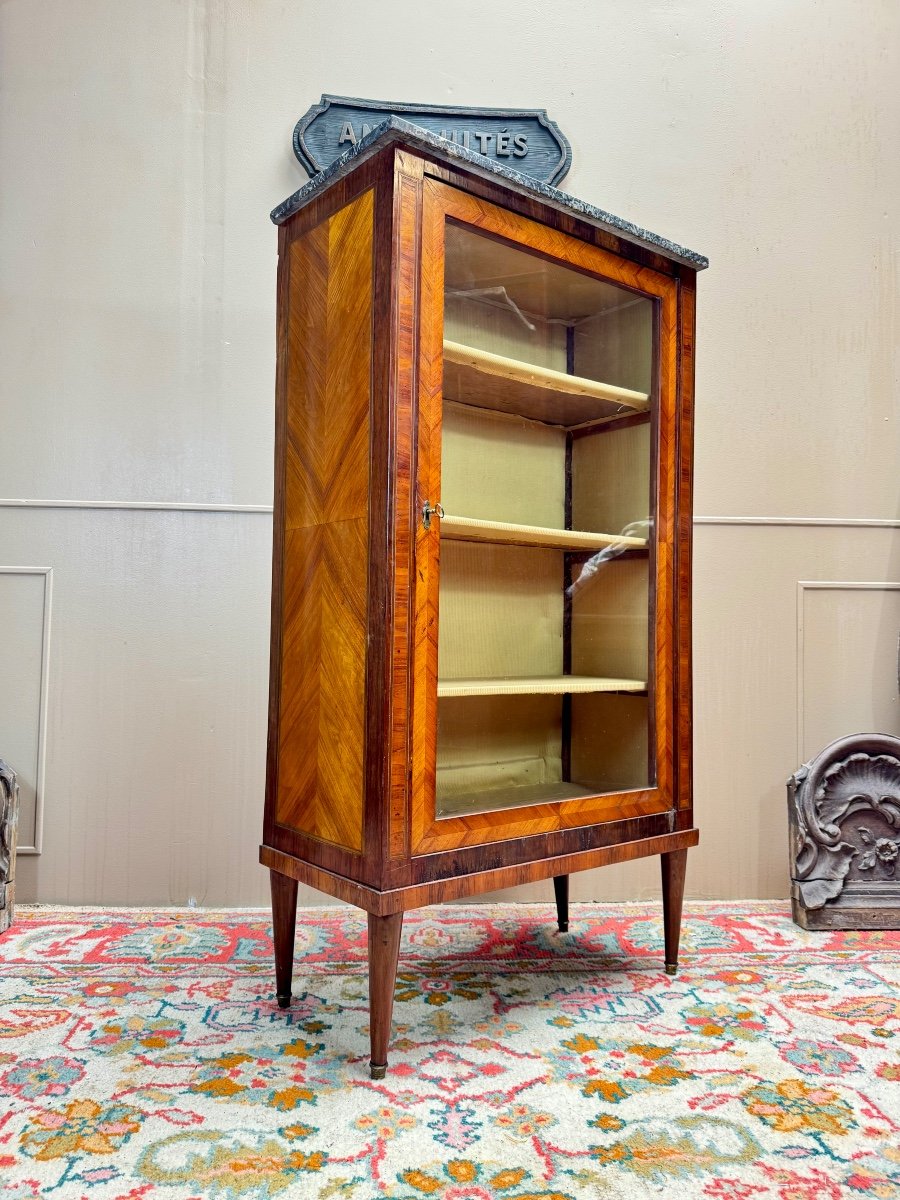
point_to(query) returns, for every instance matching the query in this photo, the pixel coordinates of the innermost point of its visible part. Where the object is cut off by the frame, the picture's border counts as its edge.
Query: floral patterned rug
(142, 1055)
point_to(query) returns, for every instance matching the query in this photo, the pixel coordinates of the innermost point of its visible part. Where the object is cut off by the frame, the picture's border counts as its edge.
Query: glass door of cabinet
(543, 525)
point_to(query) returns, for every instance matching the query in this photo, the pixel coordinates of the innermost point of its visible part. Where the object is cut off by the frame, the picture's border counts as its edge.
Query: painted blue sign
(524, 139)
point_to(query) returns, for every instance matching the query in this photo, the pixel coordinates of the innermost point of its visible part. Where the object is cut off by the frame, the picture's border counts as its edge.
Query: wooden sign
(524, 139)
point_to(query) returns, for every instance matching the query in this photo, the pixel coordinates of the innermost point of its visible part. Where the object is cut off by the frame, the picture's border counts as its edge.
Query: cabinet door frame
(430, 834)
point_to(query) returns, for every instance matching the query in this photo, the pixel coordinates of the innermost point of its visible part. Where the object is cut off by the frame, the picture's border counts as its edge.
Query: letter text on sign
(525, 138)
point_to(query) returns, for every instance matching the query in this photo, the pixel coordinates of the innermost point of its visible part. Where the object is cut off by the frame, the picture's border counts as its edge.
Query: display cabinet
(480, 668)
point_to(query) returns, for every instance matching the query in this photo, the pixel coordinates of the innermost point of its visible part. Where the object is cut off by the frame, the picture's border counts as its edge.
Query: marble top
(396, 130)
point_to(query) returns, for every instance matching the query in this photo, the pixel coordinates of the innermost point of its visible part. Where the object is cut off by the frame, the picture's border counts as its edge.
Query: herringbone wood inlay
(408, 184)
(321, 759)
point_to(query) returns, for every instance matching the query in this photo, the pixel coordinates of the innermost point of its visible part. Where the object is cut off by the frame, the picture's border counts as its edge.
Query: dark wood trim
(329, 855)
(684, 482)
(536, 210)
(345, 190)
(442, 890)
(568, 559)
(567, 501)
(674, 864)
(610, 424)
(566, 734)
(657, 513)
(561, 896)
(534, 249)
(682, 818)
(426, 547)
(284, 922)
(382, 475)
(406, 255)
(626, 555)
(384, 949)
(283, 311)
(517, 851)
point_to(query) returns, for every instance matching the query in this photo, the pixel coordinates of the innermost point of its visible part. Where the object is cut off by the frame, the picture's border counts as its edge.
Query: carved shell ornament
(832, 788)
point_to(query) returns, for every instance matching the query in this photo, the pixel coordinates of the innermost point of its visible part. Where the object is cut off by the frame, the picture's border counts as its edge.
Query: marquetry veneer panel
(321, 760)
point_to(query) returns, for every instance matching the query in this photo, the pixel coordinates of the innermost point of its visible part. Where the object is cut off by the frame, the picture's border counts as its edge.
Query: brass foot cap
(377, 1071)
(671, 968)
(284, 1001)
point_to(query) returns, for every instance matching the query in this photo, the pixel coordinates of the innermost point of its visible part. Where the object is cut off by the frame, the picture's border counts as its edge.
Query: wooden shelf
(508, 385)
(537, 685)
(492, 799)
(471, 529)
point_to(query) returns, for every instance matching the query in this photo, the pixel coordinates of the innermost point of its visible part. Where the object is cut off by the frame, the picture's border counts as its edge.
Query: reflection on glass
(544, 645)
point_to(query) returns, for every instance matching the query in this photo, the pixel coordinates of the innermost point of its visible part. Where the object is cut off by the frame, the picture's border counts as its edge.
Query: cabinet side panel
(326, 511)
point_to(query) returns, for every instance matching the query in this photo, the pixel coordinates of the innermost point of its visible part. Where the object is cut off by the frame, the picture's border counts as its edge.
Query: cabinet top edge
(395, 131)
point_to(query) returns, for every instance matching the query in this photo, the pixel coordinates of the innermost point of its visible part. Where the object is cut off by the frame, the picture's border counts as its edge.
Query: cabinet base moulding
(440, 891)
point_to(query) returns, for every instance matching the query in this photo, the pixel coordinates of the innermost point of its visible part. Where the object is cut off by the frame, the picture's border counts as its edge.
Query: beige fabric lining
(519, 796)
(497, 329)
(610, 622)
(500, 468)
(617, 345)
(501, 611)
(611, 478)
(487, 742)
(609, 742)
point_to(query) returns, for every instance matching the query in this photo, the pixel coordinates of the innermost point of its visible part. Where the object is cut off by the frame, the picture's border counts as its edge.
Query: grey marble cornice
(396, 131)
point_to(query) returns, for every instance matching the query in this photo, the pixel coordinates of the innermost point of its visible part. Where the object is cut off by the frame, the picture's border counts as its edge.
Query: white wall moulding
(188, 506)
(25, 607)
(847, 646)
(140, 505)
(823, 522)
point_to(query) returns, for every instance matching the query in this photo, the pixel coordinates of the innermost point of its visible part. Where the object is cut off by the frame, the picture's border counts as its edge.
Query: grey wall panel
(847, 671)
(156, 723)
(25, 600)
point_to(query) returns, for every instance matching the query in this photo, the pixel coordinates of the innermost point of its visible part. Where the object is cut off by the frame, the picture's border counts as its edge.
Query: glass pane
(545, 646)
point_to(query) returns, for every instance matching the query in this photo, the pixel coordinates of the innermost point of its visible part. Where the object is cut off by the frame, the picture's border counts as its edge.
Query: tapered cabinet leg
(284, 922)
(673, 869)
(384, 947)
(561, 891)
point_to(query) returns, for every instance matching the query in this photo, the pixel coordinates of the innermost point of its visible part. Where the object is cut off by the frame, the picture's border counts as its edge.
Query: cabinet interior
(544, 644)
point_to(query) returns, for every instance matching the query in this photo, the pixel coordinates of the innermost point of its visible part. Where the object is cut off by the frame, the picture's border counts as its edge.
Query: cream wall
(143, 146)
